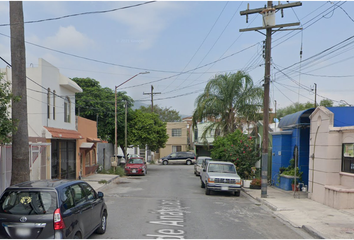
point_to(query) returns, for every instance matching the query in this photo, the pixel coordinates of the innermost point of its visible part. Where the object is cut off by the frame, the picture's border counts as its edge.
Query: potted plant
(248, 178)
(287, 177)
(256, 183)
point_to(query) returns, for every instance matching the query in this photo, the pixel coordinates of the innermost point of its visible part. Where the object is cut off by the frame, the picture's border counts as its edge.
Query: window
(348, 158)
(87, 159)
(67, 110)
(54, 105)
(93, 157)
(67, 198)
(176, 132)
(89, 192)
(28, 202)
(176, 148)
(48, 103)
(79, 196)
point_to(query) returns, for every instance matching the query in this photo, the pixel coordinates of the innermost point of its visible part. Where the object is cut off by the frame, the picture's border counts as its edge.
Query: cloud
(68, 38)
(147, 22)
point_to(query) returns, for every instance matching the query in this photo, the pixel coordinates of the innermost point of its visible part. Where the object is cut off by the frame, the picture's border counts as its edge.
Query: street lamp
(115, 113)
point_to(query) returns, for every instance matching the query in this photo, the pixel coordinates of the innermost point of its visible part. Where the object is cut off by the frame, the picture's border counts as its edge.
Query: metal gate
(39, 163)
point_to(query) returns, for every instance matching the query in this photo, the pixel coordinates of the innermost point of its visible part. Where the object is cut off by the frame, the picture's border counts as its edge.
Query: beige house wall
(327, 184)
(175, 141)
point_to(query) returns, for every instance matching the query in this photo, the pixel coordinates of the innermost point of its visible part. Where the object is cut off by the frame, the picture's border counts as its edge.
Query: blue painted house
(295, 134)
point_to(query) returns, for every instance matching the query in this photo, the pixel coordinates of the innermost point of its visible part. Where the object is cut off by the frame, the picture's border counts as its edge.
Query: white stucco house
(51, 122)
(331, 165)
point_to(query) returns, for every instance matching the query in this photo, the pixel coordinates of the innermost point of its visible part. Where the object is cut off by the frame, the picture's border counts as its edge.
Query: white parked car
(198, 165)
(221, 176)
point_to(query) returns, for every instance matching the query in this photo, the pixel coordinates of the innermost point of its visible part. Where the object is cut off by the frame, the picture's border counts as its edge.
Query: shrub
(239, 149)
(256, 182)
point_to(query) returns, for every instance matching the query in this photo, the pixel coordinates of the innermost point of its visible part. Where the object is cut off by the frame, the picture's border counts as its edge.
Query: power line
(84, 13)
(220, 59)
(215, 43)
(200, 44)
(93, 60)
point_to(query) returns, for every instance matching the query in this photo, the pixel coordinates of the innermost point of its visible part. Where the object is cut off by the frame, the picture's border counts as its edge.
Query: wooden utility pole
(20, 150)
(315, 95)
(268, 13)
(152, 97)
(126, 132)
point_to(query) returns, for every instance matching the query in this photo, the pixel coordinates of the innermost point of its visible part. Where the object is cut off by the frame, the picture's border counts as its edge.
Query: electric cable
(199, 45)
(84, 13)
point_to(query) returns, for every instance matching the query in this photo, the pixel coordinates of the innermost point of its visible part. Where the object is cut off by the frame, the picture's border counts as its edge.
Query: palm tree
(226, 101)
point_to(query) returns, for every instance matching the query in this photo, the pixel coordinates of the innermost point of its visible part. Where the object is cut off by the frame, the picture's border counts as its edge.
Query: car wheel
(189, 162)
(202, 185)
(237, 194)
(207, 190)
(165, 162)
(102, 228)
(77, 236)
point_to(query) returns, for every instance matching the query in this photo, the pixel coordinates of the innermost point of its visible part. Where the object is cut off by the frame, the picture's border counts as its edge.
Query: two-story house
(51, 122)
(177, 141)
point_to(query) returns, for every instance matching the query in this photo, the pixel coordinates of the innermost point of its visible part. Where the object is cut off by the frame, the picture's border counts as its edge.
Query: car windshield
(222, 168)
(200, 161)
(136, 161)
(28, 202)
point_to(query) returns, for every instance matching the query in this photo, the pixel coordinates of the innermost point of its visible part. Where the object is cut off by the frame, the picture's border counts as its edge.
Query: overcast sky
(184, 44)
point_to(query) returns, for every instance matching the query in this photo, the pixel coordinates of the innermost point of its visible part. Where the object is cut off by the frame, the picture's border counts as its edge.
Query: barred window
(176, 132)
(176, 148)
(348, 158)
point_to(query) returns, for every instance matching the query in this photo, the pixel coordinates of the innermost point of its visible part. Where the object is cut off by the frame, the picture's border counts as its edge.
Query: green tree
(165, 114)
(142, 128)
(147, 129)
(7, 125)
(296, 107)
(236, 147)
(326, 103)
(228, 99)
(96, 102)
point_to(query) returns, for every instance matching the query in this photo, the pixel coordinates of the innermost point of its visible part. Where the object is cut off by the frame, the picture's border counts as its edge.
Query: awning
(63, 133)
(91, 139)
(292, 120)
(87, 145)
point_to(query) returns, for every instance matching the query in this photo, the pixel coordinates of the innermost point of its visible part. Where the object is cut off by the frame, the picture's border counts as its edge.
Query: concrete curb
(94, 182)
(311, 231)
(108, 182)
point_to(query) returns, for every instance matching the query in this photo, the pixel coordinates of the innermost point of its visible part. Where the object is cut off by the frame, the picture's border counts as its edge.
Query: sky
(184, 44)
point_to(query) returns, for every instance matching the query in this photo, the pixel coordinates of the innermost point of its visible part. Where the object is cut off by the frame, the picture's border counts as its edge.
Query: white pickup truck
(220, 176)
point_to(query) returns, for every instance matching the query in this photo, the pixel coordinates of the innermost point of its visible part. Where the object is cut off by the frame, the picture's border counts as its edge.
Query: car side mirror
(100, 194)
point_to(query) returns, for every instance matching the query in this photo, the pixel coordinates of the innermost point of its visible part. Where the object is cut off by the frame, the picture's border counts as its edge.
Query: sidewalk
(94, 180)
(317, 219)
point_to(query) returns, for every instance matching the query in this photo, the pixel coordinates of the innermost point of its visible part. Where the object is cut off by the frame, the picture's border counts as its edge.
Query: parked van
(179, 157)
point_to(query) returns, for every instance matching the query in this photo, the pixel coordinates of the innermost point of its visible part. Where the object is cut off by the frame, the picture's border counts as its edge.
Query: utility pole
(126, 131)
(20, 151)
(152, 97)
(315, 95)
(268, 13)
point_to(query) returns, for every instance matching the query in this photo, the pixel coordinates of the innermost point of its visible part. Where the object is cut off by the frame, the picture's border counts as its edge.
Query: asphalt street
(169, 203)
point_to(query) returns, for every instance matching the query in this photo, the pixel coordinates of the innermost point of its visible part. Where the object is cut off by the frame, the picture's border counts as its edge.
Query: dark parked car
(52, 209)
(179, 157)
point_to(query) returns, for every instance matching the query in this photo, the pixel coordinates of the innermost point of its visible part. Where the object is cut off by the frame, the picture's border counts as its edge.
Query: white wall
(39, 80)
